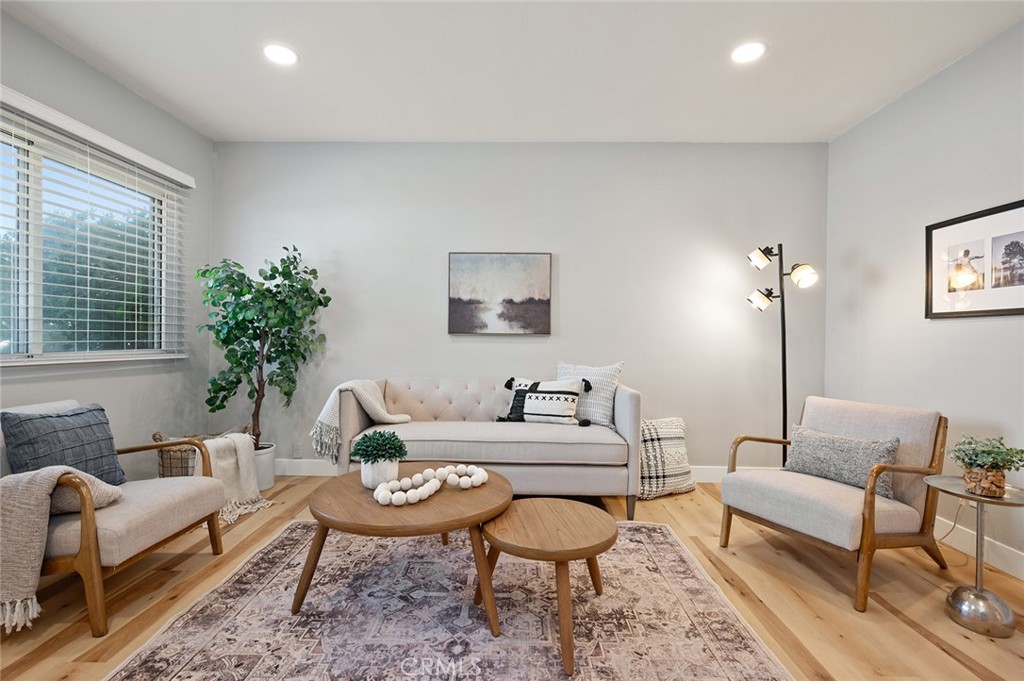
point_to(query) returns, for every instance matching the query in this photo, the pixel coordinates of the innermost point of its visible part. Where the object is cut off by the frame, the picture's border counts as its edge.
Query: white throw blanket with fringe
(233, 460)
(24, 525)
(326, 433)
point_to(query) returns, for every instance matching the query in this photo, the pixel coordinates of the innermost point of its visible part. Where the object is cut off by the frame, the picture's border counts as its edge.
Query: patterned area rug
(401, 608)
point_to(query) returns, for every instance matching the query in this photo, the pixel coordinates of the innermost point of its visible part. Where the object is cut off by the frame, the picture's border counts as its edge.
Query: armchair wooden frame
(870, 541)
(87, 561)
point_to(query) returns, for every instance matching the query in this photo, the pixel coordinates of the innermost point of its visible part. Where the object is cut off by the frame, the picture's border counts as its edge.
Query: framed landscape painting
(499, 293)
(975, 264)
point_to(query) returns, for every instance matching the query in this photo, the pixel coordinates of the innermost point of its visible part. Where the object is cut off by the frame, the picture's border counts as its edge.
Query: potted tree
(266, 328)
(985, 462)
(379, 453)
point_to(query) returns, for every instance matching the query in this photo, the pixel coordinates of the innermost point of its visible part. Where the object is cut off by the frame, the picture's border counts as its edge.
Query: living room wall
(139, 397)
(649, 245)
(952, 146)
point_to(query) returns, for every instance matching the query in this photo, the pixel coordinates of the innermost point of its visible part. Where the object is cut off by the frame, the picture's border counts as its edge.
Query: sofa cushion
(597, 405)
(148, 512)
(483, 442)
(447, 399)
(822, 508)
(79, 437)
(848, 460)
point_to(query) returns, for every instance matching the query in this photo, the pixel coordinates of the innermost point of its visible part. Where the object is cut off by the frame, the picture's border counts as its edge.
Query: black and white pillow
(546, 401)
(597, 406)
(664, 465)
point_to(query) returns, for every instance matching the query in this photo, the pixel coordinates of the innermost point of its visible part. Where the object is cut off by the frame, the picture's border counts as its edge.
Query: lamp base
(981, 611)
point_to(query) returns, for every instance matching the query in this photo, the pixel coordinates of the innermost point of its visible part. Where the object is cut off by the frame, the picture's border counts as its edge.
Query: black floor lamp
(803, 276)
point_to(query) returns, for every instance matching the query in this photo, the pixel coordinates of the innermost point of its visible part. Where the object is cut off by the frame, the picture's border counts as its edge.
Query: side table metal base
(981, 611)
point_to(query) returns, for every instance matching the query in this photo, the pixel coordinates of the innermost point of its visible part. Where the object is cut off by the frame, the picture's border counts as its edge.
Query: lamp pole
(782, 319)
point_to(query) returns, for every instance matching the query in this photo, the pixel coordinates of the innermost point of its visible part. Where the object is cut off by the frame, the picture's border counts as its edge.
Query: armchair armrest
(87, 516)
(626, 416)
(877, 470)
(198, 444)
(750, 438)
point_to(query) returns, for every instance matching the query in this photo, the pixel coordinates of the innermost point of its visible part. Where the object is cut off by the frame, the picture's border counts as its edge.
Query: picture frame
(975, 264)
(506, 294)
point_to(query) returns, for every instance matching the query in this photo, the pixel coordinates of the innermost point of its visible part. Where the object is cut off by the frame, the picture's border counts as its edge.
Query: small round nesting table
(343, 504)
(555, 530)
(974, 607)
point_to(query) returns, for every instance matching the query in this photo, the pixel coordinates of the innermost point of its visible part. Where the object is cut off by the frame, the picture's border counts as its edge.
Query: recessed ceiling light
(748, 52)
(279, 54)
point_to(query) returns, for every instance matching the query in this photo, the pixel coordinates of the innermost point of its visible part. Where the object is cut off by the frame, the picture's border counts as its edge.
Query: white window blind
(90, 250)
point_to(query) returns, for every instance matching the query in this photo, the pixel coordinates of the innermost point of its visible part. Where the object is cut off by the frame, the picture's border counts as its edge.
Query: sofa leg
(723, 535)
(932, 549)
(213, 526)
(630, 506)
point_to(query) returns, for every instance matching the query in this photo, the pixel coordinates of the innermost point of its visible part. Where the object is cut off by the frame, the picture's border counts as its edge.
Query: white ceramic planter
(375, 473)
(265, 473)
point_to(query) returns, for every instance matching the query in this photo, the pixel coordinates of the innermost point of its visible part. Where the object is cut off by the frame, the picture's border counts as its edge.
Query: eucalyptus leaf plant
(266, 327)
(991, 453)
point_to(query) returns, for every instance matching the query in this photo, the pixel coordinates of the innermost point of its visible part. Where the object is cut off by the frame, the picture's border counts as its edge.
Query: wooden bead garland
(422, 485)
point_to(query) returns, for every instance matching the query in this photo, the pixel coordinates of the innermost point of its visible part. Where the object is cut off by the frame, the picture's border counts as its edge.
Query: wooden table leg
(312, 558)
(492, 560)
(444, 538)
(595, 575)
(565, 615)
(483, 573)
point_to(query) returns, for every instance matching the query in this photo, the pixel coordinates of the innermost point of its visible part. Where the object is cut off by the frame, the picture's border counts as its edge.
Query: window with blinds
(90, 251)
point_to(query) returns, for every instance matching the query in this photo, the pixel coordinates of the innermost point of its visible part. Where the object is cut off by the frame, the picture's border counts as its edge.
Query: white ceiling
(516, 71)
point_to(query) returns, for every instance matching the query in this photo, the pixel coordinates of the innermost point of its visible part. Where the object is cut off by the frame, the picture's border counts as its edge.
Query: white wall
(649, 245)
(139, 397)
(952, 146)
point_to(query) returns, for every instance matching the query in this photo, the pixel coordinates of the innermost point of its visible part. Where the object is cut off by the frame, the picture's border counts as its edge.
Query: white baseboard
(998, 555)
(315, 467)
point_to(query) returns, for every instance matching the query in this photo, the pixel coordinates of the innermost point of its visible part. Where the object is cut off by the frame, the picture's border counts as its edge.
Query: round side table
(974, 607)
(555, 530)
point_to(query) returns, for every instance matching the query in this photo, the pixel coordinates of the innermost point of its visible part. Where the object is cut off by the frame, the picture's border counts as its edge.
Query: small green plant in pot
(379, 453)
(985, 462)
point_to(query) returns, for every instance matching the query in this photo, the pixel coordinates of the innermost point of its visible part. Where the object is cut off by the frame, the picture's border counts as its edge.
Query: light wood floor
(798, 599)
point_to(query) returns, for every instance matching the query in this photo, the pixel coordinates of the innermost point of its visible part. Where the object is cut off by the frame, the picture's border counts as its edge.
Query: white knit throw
(233, 460)
(24, 524)
(326, 433)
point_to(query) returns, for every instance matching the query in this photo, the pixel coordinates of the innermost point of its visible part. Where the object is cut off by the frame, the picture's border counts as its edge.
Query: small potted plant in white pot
(985, 463)
(379, 453)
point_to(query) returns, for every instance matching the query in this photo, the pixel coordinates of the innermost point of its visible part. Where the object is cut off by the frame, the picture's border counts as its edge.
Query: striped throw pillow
(597, 406)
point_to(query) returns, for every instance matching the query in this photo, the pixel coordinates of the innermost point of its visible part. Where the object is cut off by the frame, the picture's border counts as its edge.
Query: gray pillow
(66, 500)
(598, 405)
(843, 459)
(79, 437)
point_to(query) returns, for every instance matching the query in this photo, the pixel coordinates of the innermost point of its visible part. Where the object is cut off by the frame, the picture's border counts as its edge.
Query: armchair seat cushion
(148, 512)
(827, 510)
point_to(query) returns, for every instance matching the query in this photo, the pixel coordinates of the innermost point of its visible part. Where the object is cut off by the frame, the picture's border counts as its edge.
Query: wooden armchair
(837, 516)
(96, 543)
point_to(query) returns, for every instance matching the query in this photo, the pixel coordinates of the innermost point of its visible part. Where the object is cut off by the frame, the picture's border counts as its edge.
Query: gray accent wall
(952, 146)
(649, 245)
(139, 397)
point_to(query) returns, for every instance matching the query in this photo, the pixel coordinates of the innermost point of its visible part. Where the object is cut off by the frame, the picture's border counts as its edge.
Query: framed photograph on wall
(975, 264)
(499, 293)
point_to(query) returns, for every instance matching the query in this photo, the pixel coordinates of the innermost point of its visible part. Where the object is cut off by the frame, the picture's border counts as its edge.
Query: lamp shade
(803, 276)
(758, 258)
(759, 300)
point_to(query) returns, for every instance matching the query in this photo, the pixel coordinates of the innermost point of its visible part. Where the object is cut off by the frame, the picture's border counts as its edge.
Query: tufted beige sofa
(454, 419)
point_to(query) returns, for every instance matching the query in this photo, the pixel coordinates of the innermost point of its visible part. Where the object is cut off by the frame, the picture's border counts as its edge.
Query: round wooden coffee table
(343, 503)
(555, 530)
